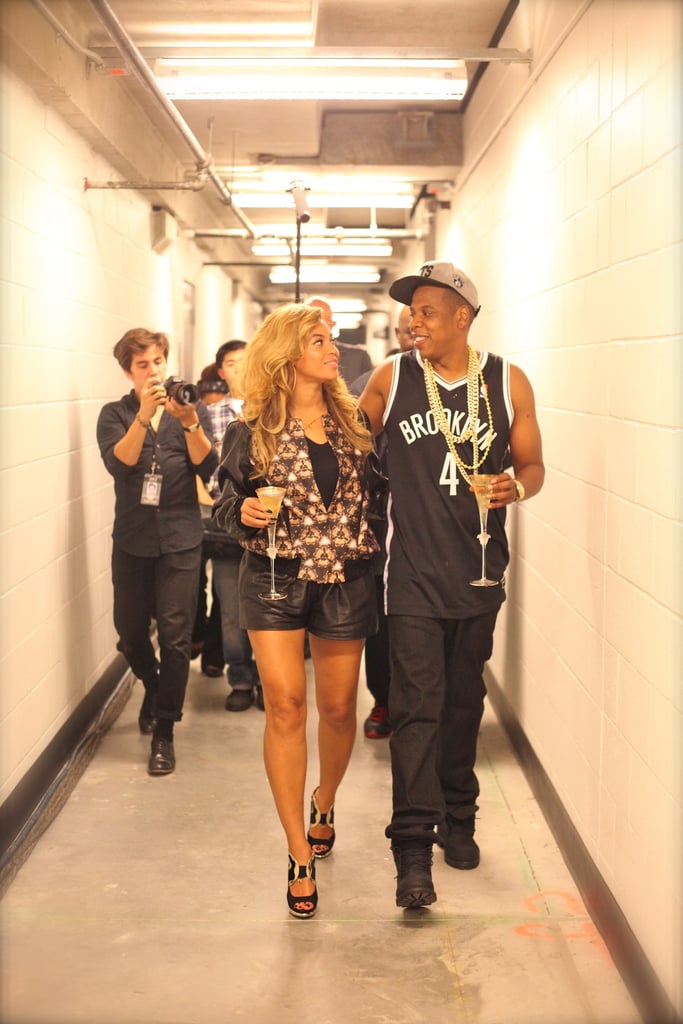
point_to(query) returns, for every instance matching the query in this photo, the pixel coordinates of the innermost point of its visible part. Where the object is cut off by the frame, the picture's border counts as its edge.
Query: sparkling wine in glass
(271, 498)
(480, 485)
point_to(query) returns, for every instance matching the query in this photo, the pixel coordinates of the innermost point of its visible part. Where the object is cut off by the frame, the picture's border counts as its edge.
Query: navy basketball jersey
(433, 522)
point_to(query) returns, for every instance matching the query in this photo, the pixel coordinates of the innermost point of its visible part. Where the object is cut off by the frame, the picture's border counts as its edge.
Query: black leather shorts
(333, 611)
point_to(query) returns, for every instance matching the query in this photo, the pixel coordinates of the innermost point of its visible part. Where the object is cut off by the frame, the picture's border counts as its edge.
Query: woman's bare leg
(280, 660)
(337, 666)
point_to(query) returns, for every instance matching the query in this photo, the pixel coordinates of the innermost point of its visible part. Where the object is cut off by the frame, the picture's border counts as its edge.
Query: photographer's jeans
(237, 652)
(162, 588)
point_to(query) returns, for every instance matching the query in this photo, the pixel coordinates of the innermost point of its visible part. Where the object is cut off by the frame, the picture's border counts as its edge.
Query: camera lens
(182, 392)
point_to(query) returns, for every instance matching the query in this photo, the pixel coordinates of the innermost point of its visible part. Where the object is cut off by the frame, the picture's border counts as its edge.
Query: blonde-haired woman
(303, 431)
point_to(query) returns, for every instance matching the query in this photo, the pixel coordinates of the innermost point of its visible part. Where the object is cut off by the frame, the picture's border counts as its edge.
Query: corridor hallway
(162, 900)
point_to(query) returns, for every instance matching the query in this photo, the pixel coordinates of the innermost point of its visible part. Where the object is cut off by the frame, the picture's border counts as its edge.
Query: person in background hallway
(377, 726)
(404, 337)
(154, 445)
(303, 431)
(243, 674)
(440, 626)
(353, 359)
(206, 632)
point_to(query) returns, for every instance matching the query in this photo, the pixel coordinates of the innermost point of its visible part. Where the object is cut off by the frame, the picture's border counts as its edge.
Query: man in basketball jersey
(448, 412)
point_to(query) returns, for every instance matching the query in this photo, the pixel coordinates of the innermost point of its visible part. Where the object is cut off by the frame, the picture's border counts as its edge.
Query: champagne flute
(271, 498)
(480, 485)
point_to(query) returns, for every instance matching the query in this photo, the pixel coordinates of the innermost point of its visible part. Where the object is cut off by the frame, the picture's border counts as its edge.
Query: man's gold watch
(519, 487)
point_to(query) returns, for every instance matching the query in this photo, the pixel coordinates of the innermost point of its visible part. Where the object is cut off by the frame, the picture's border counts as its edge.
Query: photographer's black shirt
(175, 524)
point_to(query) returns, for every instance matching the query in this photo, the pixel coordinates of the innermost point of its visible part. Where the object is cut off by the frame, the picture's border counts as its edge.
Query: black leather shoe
(146, 722)
(456, 839)
(162, 759)
(239, 700)
(414, 886)
(147, 718)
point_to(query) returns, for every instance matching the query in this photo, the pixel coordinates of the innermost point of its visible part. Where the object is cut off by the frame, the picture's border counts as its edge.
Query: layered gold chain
(475, 384)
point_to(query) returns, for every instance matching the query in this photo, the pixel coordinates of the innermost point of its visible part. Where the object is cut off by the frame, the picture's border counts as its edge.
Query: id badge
(151, 489)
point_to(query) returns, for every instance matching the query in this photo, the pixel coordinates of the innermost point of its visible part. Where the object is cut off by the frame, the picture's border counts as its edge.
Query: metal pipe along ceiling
(130, 53)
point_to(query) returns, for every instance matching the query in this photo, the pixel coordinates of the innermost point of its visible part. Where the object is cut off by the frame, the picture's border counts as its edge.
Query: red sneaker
(377, 725)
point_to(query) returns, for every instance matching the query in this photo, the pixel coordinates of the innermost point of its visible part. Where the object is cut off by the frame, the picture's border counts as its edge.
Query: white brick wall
(568, 217)
(76, 271)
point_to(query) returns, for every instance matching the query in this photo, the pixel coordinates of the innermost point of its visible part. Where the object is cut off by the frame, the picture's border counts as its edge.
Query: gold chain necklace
(475, 379)
(310, 422)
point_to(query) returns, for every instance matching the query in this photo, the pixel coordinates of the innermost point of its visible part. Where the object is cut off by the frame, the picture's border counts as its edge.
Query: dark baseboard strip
(44, 789)
(630, 960)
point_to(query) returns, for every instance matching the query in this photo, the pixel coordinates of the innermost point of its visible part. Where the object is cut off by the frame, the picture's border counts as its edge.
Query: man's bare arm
(374, 398)
(525, 434)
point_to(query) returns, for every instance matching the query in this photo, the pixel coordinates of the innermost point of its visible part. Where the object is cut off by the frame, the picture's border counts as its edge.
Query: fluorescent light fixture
(310, 75)
(273, 180)
(301, 61)
(272, 233)
(318, 201)
(397, 88)
(324, 248)
(327, 274)
(317, 231)
(347, 321)
(347, 306)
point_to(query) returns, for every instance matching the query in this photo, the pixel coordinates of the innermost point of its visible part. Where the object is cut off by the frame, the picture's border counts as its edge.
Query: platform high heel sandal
(321, 847)
(301, 906)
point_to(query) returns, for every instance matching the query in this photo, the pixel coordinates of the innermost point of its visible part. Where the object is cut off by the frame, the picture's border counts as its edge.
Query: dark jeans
(377, 666)
(207, 629)
(436, 704)
(242, 671)
(162, 588)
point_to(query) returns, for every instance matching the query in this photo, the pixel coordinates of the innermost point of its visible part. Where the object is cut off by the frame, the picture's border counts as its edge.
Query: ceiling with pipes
(282, 180)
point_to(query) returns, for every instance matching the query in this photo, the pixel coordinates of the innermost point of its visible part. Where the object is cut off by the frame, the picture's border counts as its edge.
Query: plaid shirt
(221, 413)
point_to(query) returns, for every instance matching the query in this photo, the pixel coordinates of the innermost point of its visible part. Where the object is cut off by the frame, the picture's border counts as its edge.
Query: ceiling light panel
(312, 74)
(308, 61)
(319, 201)
(326, 274)
(379, 87)
(328, 248)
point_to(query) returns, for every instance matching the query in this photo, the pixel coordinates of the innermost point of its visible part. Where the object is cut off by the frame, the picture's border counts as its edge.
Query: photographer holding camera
(154, 441)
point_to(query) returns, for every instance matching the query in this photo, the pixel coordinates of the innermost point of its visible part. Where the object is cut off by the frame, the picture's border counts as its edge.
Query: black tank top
(325, 469)
(433, 523)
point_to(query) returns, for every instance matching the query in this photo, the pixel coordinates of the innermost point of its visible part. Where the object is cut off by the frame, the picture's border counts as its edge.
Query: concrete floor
(162, 900)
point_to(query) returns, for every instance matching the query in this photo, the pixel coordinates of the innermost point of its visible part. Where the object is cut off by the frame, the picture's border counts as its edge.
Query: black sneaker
(456, 839)
(414, 886)
(377, 725)
(239, 700)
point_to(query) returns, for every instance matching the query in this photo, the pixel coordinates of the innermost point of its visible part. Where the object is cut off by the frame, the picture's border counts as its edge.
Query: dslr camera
(181, 391)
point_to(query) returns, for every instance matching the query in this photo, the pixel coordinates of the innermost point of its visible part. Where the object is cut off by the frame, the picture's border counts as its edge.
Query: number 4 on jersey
(449, 474)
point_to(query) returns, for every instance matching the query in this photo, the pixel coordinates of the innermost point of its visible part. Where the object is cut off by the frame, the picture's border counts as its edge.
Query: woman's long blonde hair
(268, 377)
